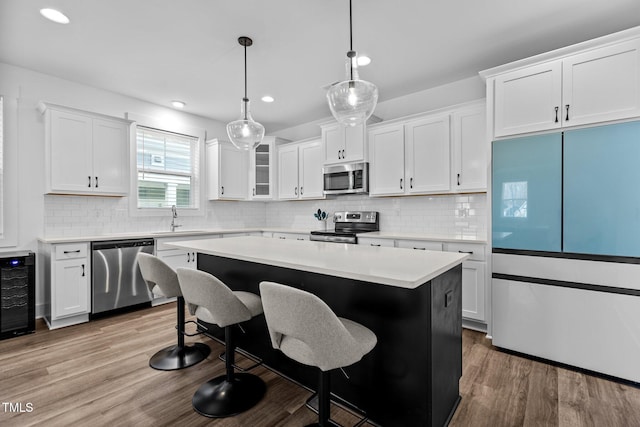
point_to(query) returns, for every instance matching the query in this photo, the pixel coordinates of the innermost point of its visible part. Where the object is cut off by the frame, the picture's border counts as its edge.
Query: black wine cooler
(17, 294)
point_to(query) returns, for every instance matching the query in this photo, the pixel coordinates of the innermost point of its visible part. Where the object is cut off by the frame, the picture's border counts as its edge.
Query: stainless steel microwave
(350, 178)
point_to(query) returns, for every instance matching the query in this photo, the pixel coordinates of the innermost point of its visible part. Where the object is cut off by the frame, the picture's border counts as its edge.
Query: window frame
(165, 126)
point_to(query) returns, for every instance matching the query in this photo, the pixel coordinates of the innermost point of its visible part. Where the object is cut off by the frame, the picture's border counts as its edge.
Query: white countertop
(204, 231)
(161, 234)
(388, 266)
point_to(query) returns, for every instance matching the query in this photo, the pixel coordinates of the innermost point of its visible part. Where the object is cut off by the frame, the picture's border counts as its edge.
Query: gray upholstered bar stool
(304, 328)
(213, 302)
(163, 281)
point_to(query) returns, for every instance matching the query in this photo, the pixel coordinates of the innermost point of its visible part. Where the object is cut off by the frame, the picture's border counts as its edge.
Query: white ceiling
(160, 50)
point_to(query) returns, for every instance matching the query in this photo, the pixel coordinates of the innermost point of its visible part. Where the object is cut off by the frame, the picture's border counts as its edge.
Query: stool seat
(213, 302)
(162, 280)
(305, 329)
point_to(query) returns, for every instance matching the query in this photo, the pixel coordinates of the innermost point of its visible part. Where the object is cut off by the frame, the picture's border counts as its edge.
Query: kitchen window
(168, 166)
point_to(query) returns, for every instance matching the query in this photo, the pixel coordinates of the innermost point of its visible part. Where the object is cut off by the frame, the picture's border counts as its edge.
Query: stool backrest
(156, 272)
(202, 289)
(302, 315)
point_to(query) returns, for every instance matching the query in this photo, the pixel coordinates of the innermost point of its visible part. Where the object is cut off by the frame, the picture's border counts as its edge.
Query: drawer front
(368, 241)
(420, 245)
(71, 251)
(476, 251)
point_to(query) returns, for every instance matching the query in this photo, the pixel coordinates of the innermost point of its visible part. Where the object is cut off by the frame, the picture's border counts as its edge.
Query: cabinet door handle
(77, 251)
(401, 183)
(466, 252)
(411, 182)
(301, 190)
(343, 154)
(566, 119)
(193, 257)
(281, 237)
(375, 244)
(420, 249)
(339, 154)
(89, 185)
(188, 256)
(295, 191)
(556, 108)
(458, 179)
(222, 187)
(96, 182)
(83, 270)
(299, 238)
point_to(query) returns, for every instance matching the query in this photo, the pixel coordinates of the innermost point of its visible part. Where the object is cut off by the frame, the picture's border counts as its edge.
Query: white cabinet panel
(288, 172)
(71, 155)
(528, 100)
(227, 171)
(427, 151)
(110, 156)
(71, 294)
(473, 290)
(591, 330)
(178, 258)
(343, 143)
(470, 149)
(603, 84)
(386, 172)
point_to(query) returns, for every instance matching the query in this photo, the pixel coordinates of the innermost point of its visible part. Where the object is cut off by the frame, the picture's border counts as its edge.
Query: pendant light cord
(245, 99)
(350, 39)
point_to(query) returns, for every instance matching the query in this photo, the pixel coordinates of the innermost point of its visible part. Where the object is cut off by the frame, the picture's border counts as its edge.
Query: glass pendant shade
(352, 101)
(245, 133)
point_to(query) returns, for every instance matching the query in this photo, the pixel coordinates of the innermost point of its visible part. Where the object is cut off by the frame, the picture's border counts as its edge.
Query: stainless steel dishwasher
(116, 278)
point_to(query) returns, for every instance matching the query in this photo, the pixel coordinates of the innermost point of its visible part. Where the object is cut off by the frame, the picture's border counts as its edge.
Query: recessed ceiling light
(55, 16)
(178, 104)
(267, 98)
(363, 60)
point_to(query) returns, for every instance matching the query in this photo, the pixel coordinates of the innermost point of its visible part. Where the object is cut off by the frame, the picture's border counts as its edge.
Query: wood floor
(97, 374)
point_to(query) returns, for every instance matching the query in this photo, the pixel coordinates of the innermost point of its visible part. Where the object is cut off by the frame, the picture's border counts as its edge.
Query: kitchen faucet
(174, 215)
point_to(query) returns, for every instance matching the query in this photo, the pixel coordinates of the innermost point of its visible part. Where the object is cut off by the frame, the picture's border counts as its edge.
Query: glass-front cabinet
(262, 170)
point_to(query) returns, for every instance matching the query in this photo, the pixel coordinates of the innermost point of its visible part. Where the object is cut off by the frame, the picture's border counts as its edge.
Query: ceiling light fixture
(178, 104)
(55, 16)
(267, 98)
(245, 133)
(352, 101)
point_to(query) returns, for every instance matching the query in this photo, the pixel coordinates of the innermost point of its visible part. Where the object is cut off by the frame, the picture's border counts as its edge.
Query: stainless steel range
(347, 227)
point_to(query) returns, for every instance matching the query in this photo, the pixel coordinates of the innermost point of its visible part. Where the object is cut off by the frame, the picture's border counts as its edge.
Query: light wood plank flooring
(97, 374)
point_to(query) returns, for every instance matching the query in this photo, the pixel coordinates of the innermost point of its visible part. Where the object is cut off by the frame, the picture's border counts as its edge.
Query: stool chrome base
(220, 398)
(179, 357)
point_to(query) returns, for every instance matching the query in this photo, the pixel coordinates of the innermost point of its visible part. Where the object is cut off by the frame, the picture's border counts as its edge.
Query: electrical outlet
(448, 298)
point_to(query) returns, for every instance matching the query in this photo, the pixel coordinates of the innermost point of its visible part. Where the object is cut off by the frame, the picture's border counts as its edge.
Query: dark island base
(409, 379)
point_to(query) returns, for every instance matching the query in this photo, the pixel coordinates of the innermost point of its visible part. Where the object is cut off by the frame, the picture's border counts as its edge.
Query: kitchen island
(411, 300)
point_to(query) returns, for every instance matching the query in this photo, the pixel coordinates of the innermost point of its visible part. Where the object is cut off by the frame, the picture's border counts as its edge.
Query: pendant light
(352, 101)
(245, 133)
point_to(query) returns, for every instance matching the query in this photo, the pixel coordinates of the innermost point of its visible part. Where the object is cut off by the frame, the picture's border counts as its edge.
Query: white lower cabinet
(178, 258)
(420, 245)
(67, 283)
(370, 241)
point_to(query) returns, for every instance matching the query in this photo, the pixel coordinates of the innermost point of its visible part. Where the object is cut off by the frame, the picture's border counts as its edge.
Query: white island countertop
(387, 266)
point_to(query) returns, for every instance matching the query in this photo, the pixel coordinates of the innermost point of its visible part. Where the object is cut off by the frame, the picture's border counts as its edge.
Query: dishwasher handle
(114, 244)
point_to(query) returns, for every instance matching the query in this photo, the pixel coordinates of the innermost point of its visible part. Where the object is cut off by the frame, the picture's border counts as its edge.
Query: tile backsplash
(462, 215)
(451, 215)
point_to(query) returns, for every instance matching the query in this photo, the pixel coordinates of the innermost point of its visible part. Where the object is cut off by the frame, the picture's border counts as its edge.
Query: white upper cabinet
(300, 170)
(85, 153)
(529, 100)
(470, 149)
(386, 171)
(592, 86)
(601, 85)
(343, 144)
(427, 155)
(435, 153)
(227, 171)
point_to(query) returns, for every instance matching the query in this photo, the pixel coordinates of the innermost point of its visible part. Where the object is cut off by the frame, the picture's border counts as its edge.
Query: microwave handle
(352, 179)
